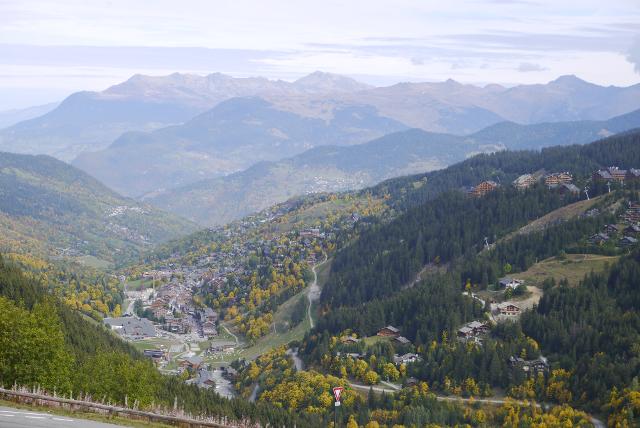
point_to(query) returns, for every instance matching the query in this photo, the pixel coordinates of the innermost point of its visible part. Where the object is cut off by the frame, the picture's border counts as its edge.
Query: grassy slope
(573, 268)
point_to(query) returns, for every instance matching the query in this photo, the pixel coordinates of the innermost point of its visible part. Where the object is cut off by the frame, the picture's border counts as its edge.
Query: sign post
(337, 392)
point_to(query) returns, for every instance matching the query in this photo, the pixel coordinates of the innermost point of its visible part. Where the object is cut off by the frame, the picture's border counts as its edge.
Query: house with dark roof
(389, 331)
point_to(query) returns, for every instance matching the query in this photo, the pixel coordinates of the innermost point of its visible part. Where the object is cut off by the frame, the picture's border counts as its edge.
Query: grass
(94, 262)
(154, 343)
(372, 340)
(574, 267)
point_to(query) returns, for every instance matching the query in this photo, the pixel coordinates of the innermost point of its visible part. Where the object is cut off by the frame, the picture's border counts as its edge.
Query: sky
(49, 49)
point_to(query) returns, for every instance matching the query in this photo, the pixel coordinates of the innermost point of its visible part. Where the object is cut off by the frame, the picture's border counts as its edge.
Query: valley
(188, 249)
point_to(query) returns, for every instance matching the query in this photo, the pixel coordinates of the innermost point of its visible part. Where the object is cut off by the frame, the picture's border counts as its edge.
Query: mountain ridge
(145, 103)
(333, 168)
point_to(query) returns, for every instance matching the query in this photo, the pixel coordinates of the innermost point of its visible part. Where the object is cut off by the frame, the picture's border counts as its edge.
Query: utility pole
(609, 186)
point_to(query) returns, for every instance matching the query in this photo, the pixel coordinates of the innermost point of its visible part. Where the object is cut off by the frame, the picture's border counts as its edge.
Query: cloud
(526, 67)
(633, 55)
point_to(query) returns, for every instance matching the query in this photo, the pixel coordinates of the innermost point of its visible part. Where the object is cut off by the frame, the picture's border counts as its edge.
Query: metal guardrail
(43, 399)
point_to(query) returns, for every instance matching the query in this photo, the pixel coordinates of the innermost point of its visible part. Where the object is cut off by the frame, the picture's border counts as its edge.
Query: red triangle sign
(337, 391)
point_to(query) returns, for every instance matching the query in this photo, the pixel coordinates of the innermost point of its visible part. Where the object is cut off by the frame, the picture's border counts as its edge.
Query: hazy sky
(49, 49)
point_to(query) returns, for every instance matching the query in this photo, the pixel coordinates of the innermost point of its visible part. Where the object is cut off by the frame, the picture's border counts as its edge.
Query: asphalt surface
(10, 418)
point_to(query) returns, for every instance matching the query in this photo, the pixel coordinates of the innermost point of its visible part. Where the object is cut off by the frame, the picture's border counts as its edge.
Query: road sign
(337, 391)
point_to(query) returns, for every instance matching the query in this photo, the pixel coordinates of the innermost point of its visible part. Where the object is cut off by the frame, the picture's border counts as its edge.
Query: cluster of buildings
(615, 174)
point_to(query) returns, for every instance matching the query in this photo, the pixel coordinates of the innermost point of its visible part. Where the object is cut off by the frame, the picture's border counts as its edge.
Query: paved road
(11, 418)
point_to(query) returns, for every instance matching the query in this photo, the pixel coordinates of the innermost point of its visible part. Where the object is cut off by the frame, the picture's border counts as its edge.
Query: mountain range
(232, 136)
(49, 207)
(333, 168)
(90, 121)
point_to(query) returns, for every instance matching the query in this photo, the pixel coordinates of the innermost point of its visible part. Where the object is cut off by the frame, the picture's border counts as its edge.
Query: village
(169, 315)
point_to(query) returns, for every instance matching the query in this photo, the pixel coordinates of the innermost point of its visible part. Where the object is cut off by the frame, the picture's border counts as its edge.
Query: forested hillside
(336, 168)
(49, 208)
(503, 167)
(418, 271)
(46, 344)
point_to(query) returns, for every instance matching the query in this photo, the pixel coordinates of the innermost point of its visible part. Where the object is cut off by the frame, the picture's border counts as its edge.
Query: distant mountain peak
(320, 81)
(570, 79)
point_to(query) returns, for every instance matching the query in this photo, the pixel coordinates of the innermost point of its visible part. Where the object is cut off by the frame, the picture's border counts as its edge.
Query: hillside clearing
(574, 267)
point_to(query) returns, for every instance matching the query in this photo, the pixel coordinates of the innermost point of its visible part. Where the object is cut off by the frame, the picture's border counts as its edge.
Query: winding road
(391, 388)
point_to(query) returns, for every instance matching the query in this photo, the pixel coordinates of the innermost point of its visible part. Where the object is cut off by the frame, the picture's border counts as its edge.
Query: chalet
(510, 283)
(508, 309)
(525, 181)
(193, 363)
(484, 188)
(610, 174)
(402, 340)
(557, 178)
(389, 331)
(628, 240)
(205, 379)
(349, 339)
(465, 332)
(406, 358)
(602, 176)
(633, 174)
(598, 238)
(538, 365)
(472, 330)
(479, 327)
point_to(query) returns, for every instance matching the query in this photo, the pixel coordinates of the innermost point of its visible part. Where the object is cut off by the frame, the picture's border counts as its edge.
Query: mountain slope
(461, 109)
(145, 103)
(232, 136)
(89, 121)
(48, 207)
(11, 117)
(330, 168)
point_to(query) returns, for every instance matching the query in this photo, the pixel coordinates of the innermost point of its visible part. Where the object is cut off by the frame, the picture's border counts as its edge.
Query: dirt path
(533, 299)
(314, 289)
(231, 334)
